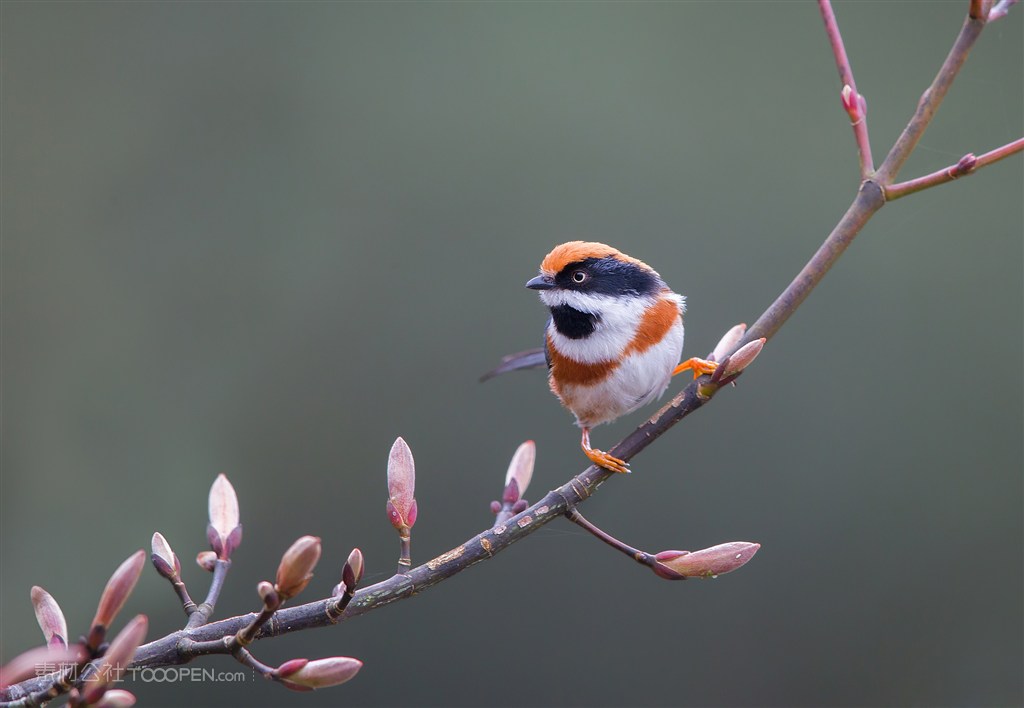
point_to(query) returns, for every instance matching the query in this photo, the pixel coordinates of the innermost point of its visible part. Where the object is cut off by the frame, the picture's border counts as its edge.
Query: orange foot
(602, 458)
(698, 366)
(609, 462)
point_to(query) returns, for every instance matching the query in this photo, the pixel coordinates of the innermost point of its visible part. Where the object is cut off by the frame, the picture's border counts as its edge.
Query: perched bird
(614, 337)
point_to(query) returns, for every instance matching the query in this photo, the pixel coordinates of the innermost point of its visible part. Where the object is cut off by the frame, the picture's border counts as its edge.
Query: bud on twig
(855, 105)
(963, 166)
(116, 660)
(296, 568)
(164, 559)
(729, 340)
(352, 573)
(706, 563)
(116, 698)
(520, 472)
(118, 588)
(401, 487)
(29, 663)
(50, 618)
(268, 594)
(207, 560)
(319, 673)
(734, 365)
(224, 531)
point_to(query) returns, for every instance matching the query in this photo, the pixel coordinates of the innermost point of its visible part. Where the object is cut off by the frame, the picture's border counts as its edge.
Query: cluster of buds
(730, 365)
(94, 689)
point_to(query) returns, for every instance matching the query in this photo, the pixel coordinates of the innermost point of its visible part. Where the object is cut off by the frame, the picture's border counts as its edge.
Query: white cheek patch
(618, 319)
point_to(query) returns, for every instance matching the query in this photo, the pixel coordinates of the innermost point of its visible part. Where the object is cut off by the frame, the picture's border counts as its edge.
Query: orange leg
(698, 366)
(601, 458)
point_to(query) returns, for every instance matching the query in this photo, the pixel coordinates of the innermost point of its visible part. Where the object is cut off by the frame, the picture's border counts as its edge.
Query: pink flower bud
(520, 472)
(495, 507)
(116, 660)
(207, 560)
(296, 568)
(706, 563)
(45, 658)
(401, 505)
(268, 594)
(163, 558)
(224, 531)
(118, 588)
(964, 165)
(729, 340)
(855, 105)
(352, 573)
(50, 618)
(734, 365)
(289, 667)
(321, 673)
(116, 698)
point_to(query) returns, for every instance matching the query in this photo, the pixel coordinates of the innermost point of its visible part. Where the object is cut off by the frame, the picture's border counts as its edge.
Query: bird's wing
(528, 359)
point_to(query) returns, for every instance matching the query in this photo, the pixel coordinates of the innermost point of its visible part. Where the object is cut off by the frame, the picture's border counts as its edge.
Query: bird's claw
(609, 462)
(697, 366)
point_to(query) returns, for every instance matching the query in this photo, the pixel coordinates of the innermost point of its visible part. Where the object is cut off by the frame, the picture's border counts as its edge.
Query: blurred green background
(266, 238)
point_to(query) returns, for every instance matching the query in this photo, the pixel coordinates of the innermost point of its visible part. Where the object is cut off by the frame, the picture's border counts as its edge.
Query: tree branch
(186, 644)
(966, 165)
(931, 99)
(853, 101)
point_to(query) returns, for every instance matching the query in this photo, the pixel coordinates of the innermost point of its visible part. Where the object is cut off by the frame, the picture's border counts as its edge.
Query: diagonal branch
(184, 645)
(930, 99)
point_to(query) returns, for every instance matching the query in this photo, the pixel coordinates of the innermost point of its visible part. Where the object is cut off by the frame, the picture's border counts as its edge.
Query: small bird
(614, 337)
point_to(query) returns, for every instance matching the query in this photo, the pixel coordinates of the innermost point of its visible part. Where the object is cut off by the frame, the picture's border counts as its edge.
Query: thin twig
(930, 100)
(855, 105)
(967, 165)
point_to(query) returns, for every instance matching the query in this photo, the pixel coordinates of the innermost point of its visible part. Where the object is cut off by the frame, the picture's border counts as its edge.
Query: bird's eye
(579, 276)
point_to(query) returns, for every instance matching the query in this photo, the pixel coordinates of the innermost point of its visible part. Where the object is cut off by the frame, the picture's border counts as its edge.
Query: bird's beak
(541, 282)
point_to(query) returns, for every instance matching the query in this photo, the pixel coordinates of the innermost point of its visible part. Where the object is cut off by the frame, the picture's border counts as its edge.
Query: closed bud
(50, 617)
(207, 560)
(321, 673)
(296, 568)
(728, 341)
(119, 655)
(116, 698)
(41, 660)
(520, 472)
(289, 667)
(352, 573)
(268, 595)
(965, 164)
(224, 531)
(855, 105)
(401, 507)
(118, 588)
(164, 559)
(495, 507)
(734, 365)
(706, 563)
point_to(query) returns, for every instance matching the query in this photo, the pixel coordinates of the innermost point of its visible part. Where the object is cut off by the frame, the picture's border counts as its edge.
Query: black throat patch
(572, 323)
